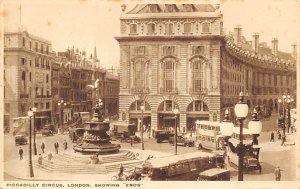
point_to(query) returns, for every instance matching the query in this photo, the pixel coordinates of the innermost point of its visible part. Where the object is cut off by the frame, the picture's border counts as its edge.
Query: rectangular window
(151, 29)
(23, 60)
(187, 28)
(196, 50)
(168, 50)
(47, 105)
(47, 49)
(206, 28)
(36, 46)
(30, 44)
(42, 48)
(139, 50)
(133, 28)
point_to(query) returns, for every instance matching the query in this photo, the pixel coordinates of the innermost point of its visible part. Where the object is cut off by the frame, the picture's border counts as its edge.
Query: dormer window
(206, 27)
(153, 8)
(188, 7)
(151, 29)
(170, 8)
(187, 28)
(133, 28)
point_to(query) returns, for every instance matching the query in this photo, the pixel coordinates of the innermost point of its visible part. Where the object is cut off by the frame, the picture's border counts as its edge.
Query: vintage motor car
(21, 139)
(184, 140)
(161, 135)
(214, 174)
(48, 130)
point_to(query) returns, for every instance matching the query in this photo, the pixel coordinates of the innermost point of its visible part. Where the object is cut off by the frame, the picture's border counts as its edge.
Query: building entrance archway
(166, 117)
(135, 114)
(196, 110)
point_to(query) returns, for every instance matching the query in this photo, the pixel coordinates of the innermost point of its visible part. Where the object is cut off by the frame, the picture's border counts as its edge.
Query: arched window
(169, 28)
(197, 105)
(198, 75)
(169, 75)
(206, 27)
(133, 28)
(151, 29)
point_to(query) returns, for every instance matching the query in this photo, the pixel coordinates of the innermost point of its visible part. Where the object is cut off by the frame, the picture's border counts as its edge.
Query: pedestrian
(277, 173)
(50, 156)
(283, 140)
(131, 141)
(279, 136)
(40, 160)
(43, 147)
(65, 145)
(21, 153)
(56, 146)
(272, 137)
(121, 171)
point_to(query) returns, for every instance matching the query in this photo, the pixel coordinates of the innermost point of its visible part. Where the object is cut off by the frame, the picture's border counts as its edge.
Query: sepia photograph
(138, 91)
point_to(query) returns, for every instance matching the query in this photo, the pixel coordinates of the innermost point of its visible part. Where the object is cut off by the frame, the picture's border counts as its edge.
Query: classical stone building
(27, 75)
(176, 56)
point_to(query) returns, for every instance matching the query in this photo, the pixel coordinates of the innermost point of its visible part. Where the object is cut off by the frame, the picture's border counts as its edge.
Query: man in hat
(277, 173)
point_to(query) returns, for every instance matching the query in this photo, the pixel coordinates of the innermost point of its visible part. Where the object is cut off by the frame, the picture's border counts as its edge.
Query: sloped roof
(262, 49)
(145, 8)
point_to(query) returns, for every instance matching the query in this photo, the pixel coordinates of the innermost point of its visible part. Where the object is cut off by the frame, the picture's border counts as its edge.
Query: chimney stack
(255, 43)
(238, 35)
(275, 46)
(294, 51)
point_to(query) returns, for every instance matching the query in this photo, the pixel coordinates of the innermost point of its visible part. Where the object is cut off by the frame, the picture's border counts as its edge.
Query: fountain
(95, 138)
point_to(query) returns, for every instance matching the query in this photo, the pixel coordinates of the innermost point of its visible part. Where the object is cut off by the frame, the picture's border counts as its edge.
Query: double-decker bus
(208, 135)
(251, 157)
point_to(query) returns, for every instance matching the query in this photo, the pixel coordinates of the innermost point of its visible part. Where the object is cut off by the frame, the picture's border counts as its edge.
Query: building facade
(176, 56)
(27, 75)
(77, 75)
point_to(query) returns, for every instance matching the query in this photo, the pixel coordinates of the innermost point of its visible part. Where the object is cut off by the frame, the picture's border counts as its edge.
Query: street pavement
(271, 155)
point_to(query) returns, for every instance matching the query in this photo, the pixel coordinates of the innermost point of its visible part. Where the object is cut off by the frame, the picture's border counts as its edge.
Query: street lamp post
(30, 114)
(241, 111)
(34, 133)
(61, 104)
(255, 126)
(286, 99)
(142, 126)
(176, 111)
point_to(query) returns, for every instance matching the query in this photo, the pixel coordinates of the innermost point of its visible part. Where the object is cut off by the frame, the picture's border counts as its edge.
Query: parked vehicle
(214, 174)
(161, 135)
(76, 133)
(184, 140)
(184, 167)
(124, 132)
(47, 130)
(21, 139)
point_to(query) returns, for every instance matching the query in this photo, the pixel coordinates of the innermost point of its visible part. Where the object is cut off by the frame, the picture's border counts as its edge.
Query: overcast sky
(84, 23)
